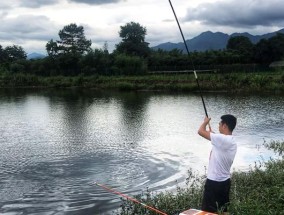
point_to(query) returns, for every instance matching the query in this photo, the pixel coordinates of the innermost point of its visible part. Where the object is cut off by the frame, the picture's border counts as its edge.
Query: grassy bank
(244, 82)
(260, 191)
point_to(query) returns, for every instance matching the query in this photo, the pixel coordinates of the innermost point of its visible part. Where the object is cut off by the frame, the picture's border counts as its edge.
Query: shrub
(129, 65)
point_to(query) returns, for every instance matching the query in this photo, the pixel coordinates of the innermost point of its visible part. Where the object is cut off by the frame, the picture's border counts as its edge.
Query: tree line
(72, 55)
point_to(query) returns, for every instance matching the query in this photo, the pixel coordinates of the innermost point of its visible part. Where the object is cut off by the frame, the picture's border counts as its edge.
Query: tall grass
(259, 191)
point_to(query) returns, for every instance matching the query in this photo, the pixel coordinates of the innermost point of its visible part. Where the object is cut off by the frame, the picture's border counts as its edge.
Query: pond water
(56, 143)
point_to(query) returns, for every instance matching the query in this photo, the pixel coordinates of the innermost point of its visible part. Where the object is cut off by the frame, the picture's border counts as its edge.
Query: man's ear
(226, 127)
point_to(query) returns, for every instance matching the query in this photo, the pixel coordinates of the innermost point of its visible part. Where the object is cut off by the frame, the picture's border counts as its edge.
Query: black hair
(230, 121)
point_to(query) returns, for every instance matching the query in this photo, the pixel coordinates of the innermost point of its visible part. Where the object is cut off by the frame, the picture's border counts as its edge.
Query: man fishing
(224, 148)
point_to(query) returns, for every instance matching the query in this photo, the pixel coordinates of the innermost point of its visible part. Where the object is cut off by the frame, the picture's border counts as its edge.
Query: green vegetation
(227, 82)
(259, 191)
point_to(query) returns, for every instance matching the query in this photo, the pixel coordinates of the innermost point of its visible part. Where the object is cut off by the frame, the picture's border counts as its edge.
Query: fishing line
(129, 198)
(196, 78)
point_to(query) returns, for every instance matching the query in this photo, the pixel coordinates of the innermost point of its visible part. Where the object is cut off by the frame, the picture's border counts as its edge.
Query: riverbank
(226, 82)
(258, 191)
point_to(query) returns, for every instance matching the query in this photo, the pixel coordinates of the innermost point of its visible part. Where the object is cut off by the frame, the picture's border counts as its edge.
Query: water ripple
(54, 146)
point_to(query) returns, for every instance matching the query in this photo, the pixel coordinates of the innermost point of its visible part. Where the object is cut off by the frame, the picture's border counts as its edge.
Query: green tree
(277, 46)
(129, 65)
(2, 55)
(105, 48)
(269, 50)
(72, 40)
(96, 62)
(242, 46)
(67, 52)
(133, 40)
(262, 53)
(14, 53)
(239, 43)
(52, 48)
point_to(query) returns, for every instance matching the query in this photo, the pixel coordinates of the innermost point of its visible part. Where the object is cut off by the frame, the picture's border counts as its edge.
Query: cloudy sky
(32, 23)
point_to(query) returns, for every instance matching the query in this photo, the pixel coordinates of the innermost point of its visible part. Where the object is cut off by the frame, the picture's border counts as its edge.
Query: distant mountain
(212, 41)
(35, 55)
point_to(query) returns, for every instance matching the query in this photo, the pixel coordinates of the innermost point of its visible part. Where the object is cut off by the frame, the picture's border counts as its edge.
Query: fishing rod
(129, 198)
(196, 78)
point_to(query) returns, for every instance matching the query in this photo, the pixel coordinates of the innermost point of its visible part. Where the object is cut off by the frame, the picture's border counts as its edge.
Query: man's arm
(202, 130)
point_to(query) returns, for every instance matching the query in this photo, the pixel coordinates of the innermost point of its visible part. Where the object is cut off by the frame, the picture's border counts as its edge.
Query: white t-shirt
(223, 152)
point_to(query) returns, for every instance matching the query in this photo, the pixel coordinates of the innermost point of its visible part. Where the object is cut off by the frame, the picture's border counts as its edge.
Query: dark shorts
(216, 195)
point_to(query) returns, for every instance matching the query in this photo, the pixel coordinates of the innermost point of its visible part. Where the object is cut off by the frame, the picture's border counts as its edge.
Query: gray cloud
(27, 27)
(5, 5)
(11, 4)
(37, 3)
(3, 14)
(235, 13)
(95, 2)
(40, 3)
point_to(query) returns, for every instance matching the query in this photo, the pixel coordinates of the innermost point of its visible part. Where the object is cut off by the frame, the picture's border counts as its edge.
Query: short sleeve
(216, 139)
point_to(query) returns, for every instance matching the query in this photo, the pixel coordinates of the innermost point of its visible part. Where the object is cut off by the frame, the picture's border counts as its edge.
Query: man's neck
(227, 133)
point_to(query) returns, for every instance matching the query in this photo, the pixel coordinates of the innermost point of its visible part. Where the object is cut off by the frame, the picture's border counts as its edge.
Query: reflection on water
(56, 143)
